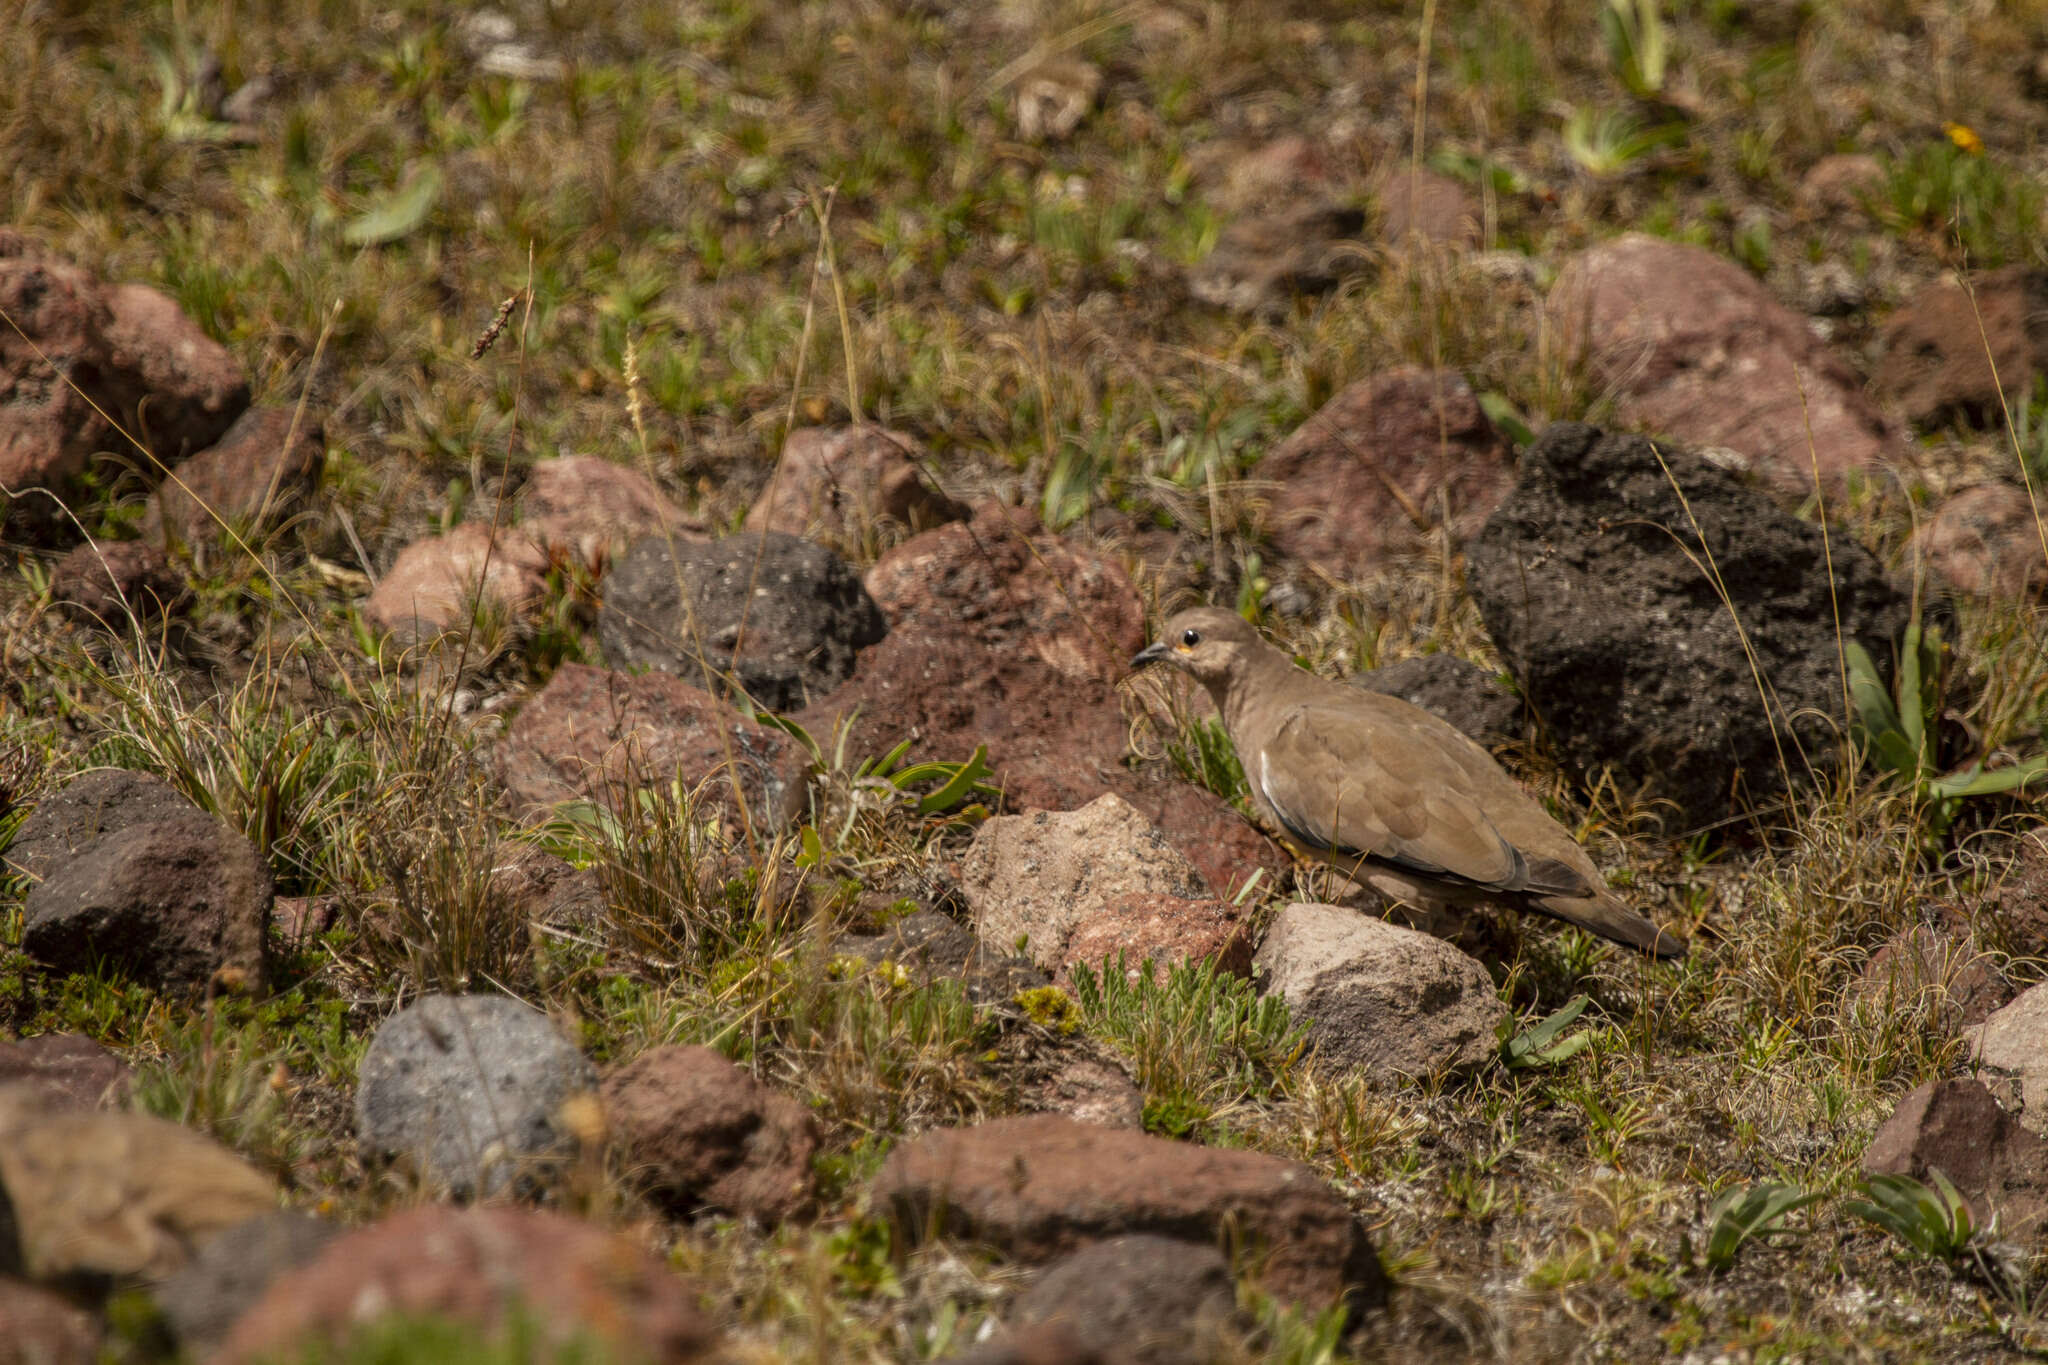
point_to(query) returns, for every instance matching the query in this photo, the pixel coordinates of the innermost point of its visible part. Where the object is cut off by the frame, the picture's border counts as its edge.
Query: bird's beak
(1150, 654)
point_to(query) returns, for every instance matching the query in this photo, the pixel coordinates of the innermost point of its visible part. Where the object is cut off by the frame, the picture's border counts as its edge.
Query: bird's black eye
(1191, 638)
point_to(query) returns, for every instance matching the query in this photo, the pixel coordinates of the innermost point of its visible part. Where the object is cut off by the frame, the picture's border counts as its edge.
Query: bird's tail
(1610, 919)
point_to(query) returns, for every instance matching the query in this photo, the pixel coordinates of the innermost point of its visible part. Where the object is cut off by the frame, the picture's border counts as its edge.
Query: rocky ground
(570, 787)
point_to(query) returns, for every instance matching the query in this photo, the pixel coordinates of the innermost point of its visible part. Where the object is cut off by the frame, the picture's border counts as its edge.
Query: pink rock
(585, 508)
(1985, 540)
(834, 484)
(1367, 479)
(432, 586)
(267, 464)
(1697, 351)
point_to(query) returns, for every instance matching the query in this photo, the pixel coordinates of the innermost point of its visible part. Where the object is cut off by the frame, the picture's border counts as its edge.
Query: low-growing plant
(1741, 1212)
(1204, 755)
(1933, 1220)
(1898, 731)
(1544, 1043)
(1197, 1036)
(225, 1080)
(1958, 196)
(1611, 141)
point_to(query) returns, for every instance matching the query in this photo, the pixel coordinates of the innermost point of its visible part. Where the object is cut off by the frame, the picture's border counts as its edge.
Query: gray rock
(178, 904)
(1144, 1299)
(1382, 998)
(205, 1298)
(468, 1090)
(1591, 580)
(787, 628)
(1460, 692)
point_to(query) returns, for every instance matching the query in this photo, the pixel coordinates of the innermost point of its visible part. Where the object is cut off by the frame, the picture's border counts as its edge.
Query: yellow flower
(1964, 137)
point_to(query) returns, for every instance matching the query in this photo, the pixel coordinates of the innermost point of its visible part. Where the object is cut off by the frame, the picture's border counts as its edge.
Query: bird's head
(1208, 644)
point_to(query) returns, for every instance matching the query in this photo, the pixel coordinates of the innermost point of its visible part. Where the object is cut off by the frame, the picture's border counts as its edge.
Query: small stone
(68, 1070)
(1145, 1299)
(180, 904)
(588, 509)
(837, 485)
(1054, 96)
(203, 1300)
(781, 617)
(1380, 998)
(1945, 974)
(1090, 1091)
(477, 1267)
(1838, 185)
(119, 586)
(116, 1195)
(266, 465)
(1984, 541)
(1416, 203)
(65, 823)
(38, 1327)
(931, 948)
(1041, 1187)
(469, 1090)
(1957, 1127)
(432, 587)
(1261, 265)
(696, 1132)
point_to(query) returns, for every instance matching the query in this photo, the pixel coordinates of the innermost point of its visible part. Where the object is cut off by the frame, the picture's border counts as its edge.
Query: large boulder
(1041, 1187)
(1366, 482)
(782, 618)
(479, 1267)
(591, 734)
(101, 801)
(180, 904)
(1694, 348)
(1380, 998)
(1074, 887)
(1615, 605)
(694, 1131)
(469, 1091)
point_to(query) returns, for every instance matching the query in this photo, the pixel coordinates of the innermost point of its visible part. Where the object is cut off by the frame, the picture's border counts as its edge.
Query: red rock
(594, 734)
(38, 1327)
(585, 508)
(835, 484)
(48, 428)
(1005, 582)
(194, 388)
(1957, 1128)
(1418, 202)
(432, 585)
(267, 464)
(1366, 480)
(475, 1266)
(1147, 927)
(2011, 915)
(1090, 1091)
(1698, 351)
(117, 584)
(1936, 362)
(1985, 540)
(65, 822)
(69, 1070)
(695, 1132)
(1055, 742)
(1042, 1186)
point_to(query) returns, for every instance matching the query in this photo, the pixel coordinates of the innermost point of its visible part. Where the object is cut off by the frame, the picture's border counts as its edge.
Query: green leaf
(398, 214)
(813, 848)
(1741, 1213)
(959, 786)
(1538, 1045)
(1501, 411)
(1975, 781)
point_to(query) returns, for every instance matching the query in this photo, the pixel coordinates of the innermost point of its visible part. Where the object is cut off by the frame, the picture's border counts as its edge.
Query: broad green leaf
(398, 214)
(959, 786)
(1974, 781)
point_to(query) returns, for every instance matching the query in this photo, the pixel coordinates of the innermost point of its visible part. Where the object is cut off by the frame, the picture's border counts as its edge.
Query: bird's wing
(1349, 780)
